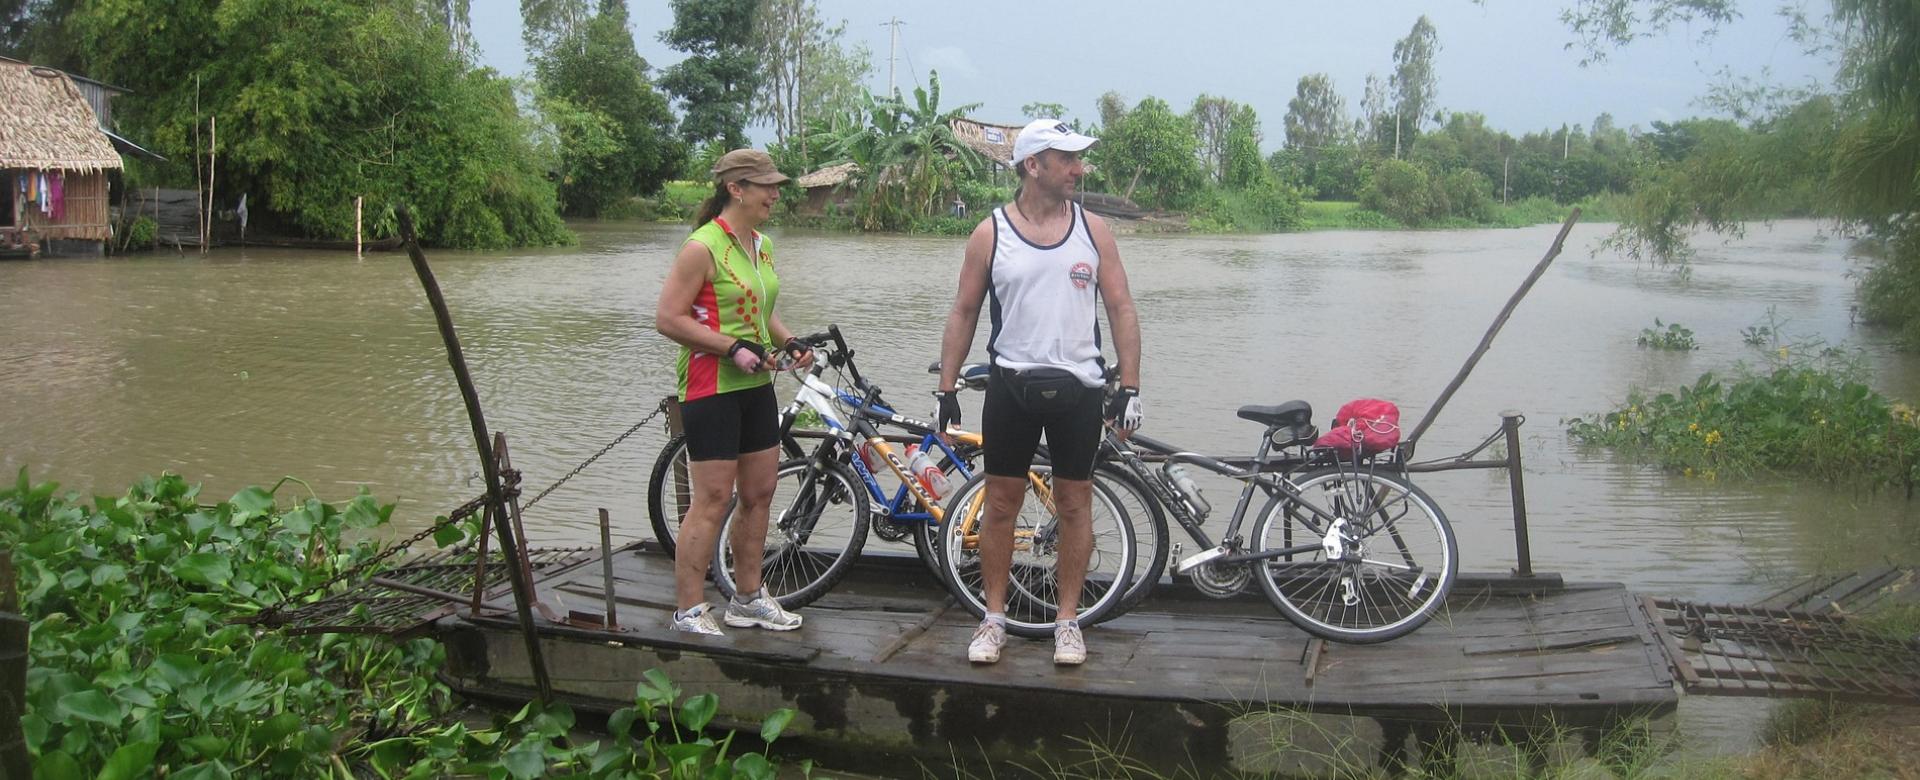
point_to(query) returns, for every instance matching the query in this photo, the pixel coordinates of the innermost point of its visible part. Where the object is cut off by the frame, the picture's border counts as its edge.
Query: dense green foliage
(139, 670)
(716, 82)
(1805, 417)
(318, 102)
(1151, 154)
(910, 162)
(612, 133)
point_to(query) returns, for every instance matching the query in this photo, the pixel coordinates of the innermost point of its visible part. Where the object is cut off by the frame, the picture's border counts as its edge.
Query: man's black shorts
(1012, 434)
(721, 427)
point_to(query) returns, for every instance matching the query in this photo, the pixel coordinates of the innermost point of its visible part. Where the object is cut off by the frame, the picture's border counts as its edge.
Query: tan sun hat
(747, 165)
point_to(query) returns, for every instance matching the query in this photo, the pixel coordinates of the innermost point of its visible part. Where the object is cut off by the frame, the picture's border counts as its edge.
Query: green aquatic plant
(140, 668)
(1804, 415)
(1668, 336)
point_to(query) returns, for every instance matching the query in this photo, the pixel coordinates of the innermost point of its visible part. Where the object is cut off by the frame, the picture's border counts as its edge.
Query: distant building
(56, 159)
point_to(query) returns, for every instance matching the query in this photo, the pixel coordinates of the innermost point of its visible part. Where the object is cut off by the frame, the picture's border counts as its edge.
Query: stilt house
(54, 164)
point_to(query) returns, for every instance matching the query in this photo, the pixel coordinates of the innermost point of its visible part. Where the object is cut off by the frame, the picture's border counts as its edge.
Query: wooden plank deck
(880, 664)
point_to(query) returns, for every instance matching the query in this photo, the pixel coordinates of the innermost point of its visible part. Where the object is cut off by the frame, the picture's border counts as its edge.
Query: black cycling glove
(949, 414)
(1123, 409)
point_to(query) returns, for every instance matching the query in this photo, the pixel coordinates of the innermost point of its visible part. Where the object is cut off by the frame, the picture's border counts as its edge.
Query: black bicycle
(1346, 548)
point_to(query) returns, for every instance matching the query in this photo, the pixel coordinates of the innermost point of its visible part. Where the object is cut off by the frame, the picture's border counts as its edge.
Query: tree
(1043, 111)
(1210, 116)
(1112, 107)
(910, 160)
(545, 23)
(1376, 109)
(805, 68)
(36, 31)
(1413, 82)
(716, 82)
(1154, 147)
(1241, 165)
(1603, 25)
(1316, 116)
(355, 98)
(614, 132)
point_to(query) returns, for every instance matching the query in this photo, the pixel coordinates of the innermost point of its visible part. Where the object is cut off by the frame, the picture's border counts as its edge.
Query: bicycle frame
(1190, 517)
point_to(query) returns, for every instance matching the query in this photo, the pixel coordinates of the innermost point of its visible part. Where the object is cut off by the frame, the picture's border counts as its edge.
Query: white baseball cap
(1048, 134)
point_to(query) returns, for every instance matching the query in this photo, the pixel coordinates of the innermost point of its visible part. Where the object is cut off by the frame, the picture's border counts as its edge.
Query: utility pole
(893, 49)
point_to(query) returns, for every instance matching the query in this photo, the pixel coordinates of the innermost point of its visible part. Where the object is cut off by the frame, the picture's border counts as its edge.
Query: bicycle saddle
(972, 375)
(1289, 413)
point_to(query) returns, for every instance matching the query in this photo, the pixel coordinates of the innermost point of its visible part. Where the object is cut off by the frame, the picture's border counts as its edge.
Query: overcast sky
(1504, 58)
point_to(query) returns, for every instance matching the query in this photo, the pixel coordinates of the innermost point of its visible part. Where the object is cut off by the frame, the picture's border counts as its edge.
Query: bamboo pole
(358, 204)
(213, 159)
(1486, 342)
(489, 464)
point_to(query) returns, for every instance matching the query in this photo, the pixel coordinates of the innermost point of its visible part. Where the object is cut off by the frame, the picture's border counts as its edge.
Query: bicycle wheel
(816, 525)
(1150, 535)
(669, 493)
(1397, 557)
(1032, 588)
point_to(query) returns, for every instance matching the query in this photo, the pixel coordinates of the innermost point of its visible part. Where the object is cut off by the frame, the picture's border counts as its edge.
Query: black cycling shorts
(1012, 434)
(721, 427)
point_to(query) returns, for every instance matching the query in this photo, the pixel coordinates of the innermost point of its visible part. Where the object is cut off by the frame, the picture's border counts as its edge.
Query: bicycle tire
(1320, 595)
(671, 463)
(1150, 534)
(803, 558)
(1029, 611)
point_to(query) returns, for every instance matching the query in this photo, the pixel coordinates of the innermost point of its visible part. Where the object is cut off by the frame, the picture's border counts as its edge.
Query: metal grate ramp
(1738, 650)
(401, 601)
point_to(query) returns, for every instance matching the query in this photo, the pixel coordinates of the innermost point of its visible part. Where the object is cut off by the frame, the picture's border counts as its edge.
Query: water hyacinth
(138, 668)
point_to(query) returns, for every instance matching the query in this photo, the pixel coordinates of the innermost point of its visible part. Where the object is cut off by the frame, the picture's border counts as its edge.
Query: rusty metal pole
(496, 498)
(14, 760)
(606, 566)
(1510, 421)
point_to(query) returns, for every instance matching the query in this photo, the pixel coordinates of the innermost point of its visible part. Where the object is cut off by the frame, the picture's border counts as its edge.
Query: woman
(718, 304)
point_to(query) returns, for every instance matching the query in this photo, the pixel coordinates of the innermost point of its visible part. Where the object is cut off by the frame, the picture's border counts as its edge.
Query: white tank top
(1045, 301)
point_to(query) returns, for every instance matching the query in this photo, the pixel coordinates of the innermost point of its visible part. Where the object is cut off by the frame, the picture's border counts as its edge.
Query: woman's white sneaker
(698, 619)
(763, 612)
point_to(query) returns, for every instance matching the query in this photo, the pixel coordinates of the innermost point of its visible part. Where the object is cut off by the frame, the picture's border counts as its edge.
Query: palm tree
(907, 153)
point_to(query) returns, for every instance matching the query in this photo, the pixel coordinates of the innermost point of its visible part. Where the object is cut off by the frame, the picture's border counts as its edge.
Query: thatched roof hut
(830, 176)
(995, 142)
(48, 125)
(54, 160)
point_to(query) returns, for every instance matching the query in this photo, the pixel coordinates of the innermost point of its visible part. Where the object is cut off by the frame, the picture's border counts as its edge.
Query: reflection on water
(250, 364)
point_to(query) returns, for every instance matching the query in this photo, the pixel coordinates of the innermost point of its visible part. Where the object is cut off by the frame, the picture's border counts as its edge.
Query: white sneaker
(762, 611)
(987, 640)
(697, 620)
(1069, 648)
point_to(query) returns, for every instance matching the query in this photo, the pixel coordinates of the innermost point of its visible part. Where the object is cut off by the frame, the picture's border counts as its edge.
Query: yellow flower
(1693, 427)
(1688, 473)
(1713, 437)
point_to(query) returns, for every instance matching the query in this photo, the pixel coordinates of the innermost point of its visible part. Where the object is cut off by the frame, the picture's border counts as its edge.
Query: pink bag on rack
(1370, 424)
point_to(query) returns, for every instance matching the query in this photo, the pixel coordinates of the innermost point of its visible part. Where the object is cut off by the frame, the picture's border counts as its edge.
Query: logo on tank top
(1081, 274)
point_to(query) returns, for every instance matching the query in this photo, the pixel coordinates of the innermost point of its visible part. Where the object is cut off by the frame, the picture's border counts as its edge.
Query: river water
(245, 365)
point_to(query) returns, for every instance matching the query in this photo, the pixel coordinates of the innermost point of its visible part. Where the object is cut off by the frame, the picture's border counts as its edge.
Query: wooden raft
(880, 664)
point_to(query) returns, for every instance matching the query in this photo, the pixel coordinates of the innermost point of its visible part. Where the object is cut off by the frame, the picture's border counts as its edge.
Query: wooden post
(13, 676)
(606, 567)
(1486, 342)
(213, 158)
(496, 496)
(1522, 549)
(358, 203)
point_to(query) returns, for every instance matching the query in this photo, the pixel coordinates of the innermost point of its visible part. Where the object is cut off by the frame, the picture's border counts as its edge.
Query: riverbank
(677, 201)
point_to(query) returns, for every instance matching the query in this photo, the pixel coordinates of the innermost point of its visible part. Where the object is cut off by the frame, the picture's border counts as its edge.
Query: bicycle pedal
(1200, 559)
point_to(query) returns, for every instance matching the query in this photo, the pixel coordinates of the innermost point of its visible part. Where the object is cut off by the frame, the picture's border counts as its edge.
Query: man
(1047, 264)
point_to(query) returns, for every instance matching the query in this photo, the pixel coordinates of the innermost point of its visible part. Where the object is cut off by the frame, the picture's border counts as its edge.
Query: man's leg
(1072, 501)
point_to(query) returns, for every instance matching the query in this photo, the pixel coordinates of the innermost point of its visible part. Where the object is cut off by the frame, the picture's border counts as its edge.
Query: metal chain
(596, 456)
(463, 512)
(510, 490)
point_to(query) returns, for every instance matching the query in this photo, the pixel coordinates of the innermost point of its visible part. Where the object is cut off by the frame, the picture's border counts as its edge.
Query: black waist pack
(1043, 390)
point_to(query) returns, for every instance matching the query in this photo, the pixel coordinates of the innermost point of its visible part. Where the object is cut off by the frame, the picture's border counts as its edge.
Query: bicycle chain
(511, 490)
